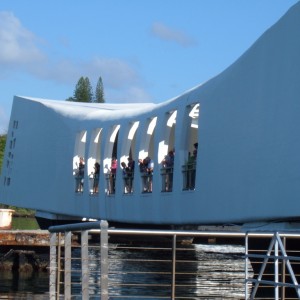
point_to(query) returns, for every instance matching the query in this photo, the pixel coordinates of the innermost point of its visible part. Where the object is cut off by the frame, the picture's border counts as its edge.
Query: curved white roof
(248, 157)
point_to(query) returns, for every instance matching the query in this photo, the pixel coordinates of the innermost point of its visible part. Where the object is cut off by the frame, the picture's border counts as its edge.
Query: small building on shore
(6, 218)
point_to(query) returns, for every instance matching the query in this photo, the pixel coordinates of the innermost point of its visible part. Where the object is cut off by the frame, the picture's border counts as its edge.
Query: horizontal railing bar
(178, 233)
(160, 233)
(144, 260)
(145, 297)
(157, 285)
(272, 275)
(291, 258)
(95, 226)
(137, 272)
(140, 284)
(150, 272)
(213, 296)
(273, 283)
(144, 248)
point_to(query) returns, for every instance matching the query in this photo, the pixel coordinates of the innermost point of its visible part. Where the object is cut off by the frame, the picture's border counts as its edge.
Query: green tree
(83, 91)
(99, 93)
(70, 99)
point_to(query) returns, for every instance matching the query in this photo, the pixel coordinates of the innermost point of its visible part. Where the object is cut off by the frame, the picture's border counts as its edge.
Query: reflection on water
(208, 271)
(24, 285)
(202, 272)
(220, 272)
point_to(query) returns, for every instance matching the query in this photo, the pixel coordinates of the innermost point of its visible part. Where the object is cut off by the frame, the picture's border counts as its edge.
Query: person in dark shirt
(96, 177)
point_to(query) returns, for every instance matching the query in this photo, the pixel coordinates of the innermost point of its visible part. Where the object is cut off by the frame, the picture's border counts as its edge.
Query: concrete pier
(28, 238)
(24, 250)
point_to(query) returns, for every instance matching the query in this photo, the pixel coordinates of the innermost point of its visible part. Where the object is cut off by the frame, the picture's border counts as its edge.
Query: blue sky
(145, 51)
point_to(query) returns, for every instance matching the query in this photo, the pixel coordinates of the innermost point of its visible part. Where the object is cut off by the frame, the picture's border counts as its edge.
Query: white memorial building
(235, 140)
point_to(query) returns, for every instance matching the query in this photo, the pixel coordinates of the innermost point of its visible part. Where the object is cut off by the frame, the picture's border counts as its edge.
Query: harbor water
(208, 272)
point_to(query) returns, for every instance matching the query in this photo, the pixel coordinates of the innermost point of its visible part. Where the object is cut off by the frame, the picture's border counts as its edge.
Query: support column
(68, 257)
(85, 263)
(53, 267)
(174, 266)
(104, 260)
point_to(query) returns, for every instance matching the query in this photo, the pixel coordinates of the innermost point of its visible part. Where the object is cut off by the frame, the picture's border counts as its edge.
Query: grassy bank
(24, 223)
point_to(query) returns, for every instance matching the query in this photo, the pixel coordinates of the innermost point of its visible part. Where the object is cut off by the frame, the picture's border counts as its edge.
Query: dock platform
(28, 238)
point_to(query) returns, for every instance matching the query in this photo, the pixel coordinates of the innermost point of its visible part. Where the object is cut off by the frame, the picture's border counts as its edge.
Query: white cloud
(121, 81)
(63, 71)
(168, 34)
(138, 94)
(132, 94)
(21, 51)
(117, 73)
(17, 43)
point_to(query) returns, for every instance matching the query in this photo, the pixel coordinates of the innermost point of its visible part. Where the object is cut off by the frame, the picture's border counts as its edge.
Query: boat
(234, 140)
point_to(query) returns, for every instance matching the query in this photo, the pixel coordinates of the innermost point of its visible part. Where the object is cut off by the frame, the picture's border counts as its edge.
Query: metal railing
(276, 265)
(85, 262)
(167, 179)
(189, 176)
(74, 272)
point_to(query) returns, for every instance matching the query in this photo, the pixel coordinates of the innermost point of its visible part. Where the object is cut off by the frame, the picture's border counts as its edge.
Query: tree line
(84, 92)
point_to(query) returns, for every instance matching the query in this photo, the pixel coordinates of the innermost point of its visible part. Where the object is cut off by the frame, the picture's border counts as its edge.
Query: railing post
(286, 261)
(53, 266)
(68, 255)
(276, 279)
(104, 260)
(246, 266)
(173, 266)
(58, 266)
(283, 270)
(85, 264)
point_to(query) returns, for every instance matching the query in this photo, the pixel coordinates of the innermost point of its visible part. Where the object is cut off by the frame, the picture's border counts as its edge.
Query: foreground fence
(92, 261)
(275, 261)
